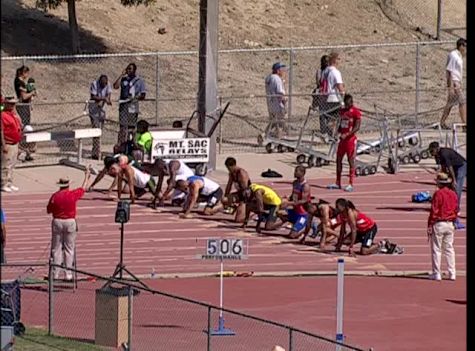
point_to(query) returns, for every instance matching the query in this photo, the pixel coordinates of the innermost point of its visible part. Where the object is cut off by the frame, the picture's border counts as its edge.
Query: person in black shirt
(24, 94)
(25, 90)
(453, 164)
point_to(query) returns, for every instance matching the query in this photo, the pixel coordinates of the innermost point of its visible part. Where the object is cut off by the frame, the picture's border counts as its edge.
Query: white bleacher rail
(77, 134)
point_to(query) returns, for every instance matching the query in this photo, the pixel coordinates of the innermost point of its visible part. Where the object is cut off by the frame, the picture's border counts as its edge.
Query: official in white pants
(62, 205)
(441, 227)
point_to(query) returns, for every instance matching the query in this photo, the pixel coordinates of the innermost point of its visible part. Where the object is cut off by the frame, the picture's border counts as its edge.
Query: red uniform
(348, 118)
(11, 127)
(444, 206)
(347, 146)
(62, 204)
(297, 194)
(363, 223)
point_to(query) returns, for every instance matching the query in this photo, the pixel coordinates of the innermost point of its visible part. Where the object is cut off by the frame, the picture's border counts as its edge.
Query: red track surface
(170, 245)
(390, 314)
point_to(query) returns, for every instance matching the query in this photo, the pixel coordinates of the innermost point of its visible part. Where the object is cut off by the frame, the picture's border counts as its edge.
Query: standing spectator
(454, 74)
(454, 165)
(3, 238)
(25, 91)
(11, 136)
(331, 85)
(276, 100)
(350, 121)
(100, 91)
(319, 98)
(440, 226)
(132, 89)
(62, 205)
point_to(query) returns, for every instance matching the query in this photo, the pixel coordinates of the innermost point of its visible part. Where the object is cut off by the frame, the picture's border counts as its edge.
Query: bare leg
(369, 250)
(463, 113)
(445, 115)
(240, 213)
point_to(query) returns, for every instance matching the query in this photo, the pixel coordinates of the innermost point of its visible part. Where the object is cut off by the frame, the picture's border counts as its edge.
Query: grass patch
(38, 340)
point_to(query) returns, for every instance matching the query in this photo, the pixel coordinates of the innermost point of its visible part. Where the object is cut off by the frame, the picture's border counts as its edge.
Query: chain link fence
(406, 78)
(113, 312)
(441, 19)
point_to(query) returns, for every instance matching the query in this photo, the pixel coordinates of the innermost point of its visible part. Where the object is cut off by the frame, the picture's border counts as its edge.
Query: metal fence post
(157, 86)
(50, 297)
(129, 317)
(291, 75)
(209, 329)
(439, 19)
(220, 130)
(418, 83)
(291, 339)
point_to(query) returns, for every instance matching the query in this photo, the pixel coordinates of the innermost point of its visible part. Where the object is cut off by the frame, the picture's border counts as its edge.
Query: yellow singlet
(270, 197)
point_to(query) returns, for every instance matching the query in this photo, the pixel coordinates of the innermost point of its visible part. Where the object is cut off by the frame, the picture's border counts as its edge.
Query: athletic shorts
(213, 199)
(299, 221)
(271, 213)
(457, 98)
(367, 238)
(347, 147)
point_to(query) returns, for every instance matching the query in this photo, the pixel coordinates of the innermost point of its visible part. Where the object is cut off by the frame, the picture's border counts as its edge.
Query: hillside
(381, 75)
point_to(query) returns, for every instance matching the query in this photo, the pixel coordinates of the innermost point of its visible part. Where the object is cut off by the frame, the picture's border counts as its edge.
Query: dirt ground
(379, 75)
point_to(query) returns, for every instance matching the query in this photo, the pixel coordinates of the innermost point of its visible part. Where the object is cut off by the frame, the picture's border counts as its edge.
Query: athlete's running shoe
(349, 188)
(333, 186)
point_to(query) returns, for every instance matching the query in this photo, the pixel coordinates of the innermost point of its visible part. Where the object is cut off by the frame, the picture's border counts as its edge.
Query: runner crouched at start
(265, 202)
(121, 160)
(200, 189)
(300, 196)
(137, 182)
(362, 229)
(329, 225)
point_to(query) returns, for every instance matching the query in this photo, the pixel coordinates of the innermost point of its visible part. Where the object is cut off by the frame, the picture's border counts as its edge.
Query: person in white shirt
(454, 74)
(202, 189)
(100, 91)
(331, 85)
(276, 100)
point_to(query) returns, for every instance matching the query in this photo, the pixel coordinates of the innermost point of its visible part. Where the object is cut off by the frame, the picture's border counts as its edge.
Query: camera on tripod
(122, 213)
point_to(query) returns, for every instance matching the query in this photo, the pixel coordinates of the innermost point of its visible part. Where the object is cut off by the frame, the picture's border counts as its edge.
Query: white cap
(28, 129)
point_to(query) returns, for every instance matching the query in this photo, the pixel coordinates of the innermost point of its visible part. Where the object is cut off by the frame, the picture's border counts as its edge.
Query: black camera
(122, 214)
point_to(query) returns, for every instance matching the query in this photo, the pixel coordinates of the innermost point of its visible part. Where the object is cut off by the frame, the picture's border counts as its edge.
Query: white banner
(189, 150)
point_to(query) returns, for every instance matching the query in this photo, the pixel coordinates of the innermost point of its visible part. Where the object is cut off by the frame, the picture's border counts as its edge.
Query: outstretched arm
(99, 177)
(229, 185)
(174, 166)
(193, 197)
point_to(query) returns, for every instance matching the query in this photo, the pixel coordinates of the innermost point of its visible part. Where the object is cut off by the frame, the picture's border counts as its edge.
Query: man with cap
(441, 228)
(455, 166)
(62, 206)
(276, 100)
(11, 135)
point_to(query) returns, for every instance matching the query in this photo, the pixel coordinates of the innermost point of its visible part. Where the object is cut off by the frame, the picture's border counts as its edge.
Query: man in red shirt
(11, 136)
(62, 205)
(441, 228)
(350, 121)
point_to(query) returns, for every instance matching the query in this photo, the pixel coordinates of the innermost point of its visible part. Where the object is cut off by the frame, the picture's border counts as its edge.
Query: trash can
(111, 328)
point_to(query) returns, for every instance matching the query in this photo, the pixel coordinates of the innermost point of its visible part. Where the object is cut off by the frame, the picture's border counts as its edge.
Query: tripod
(120, 268)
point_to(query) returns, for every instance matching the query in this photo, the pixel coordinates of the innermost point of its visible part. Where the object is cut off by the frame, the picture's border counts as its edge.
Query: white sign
(224, 249)
(188, 150)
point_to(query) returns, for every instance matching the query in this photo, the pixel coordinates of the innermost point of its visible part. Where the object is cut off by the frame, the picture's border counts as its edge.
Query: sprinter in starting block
(200, 189)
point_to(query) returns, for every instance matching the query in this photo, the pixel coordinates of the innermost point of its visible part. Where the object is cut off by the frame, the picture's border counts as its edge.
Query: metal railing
(404, 79)
(149, 319)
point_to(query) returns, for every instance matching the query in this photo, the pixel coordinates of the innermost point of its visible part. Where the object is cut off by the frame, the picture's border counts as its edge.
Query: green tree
(73, 22)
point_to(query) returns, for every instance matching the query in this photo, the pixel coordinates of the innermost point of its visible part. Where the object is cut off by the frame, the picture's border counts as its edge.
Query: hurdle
(77, 134)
